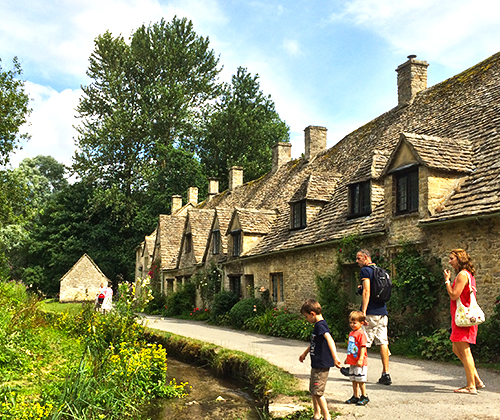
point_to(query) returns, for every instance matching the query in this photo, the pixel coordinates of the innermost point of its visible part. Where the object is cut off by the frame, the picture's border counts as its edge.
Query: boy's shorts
(376, 330)
(318, 380)
(358, 373)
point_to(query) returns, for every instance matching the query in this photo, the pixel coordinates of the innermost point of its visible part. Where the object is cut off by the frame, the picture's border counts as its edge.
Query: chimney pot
(235, 177)
(213, 188)
(315, 141)
(176, 203)
(192, 195)
(412, 78)
(282, 153)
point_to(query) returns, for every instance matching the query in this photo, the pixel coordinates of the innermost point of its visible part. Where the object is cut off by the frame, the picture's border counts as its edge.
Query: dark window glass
(359, 199)
(236, 243)
(406, 191)
(215, 242)
(299, 219)
(235, 285)
(189, 240)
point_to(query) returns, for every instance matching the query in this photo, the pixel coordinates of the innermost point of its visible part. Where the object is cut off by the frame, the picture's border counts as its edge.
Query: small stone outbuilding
(82, 282)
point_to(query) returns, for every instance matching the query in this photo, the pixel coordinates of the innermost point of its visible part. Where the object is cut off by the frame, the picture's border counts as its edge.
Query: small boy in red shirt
(357, 359)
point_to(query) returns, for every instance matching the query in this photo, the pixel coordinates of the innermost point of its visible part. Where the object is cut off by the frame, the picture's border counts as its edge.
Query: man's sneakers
(385, 379)
(352, 400)
(363, 400)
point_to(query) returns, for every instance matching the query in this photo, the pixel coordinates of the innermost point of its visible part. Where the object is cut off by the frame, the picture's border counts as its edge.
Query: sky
(328, 63)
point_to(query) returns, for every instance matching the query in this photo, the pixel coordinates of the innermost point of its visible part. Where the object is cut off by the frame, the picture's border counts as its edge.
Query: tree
(241, 130)
(14, 110)
(146, 96)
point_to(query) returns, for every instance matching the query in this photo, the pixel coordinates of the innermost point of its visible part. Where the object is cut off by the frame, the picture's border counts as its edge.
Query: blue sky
(324, 62)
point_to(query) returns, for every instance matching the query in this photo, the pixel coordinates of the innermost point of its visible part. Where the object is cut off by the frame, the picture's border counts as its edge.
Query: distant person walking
(100, 297)
(323, 356)
(376, 314)
(107, 305)
(461, 337)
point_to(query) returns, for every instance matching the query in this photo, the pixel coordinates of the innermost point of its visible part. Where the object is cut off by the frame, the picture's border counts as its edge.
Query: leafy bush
(488, 344)
(208, 281)
(222, 304)
(437, 346)
(280, 323)
(181, 302)
(243, 310)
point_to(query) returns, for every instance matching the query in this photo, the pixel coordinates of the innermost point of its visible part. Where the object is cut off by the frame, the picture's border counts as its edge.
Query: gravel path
(420, 389)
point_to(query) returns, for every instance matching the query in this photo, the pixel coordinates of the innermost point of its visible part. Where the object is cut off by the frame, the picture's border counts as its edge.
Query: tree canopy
(14, 109)
(242, 130)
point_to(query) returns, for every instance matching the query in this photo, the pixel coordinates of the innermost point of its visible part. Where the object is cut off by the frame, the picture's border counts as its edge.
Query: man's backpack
(380, 284)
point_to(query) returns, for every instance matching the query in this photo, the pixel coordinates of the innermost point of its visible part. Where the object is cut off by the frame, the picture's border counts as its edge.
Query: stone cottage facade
(426, 172)
(82, 281)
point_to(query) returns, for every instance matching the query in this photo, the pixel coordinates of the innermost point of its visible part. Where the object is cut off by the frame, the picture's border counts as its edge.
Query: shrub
(222, 304)
(437, 346)
(488, 344)
(280, 323)
(243, 310)
(182, 301)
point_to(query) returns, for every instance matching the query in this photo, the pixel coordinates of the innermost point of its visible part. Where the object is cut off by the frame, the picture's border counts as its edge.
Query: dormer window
(406, 191)
(236, 236)
(359, 199)
(216, 242)
(299, 218)
(188, 243)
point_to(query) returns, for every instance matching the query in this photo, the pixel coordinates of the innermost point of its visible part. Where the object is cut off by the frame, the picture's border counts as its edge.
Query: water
(204, 400)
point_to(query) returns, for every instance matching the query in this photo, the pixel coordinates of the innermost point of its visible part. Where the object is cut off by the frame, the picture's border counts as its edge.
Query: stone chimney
(176, 203)
(315, 141)
(412, 78)
(192, 195)
(213, 188)
(235, 177)
(282, 153)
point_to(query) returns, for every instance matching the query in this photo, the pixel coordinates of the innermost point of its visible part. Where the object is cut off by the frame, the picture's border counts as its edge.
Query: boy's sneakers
(363, 400)
(352, 400)
(344, 371)
(385, 379)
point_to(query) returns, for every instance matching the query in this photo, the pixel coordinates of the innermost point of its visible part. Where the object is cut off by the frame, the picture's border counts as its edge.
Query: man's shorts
(358, 373)
(318, 381)
(376, 330)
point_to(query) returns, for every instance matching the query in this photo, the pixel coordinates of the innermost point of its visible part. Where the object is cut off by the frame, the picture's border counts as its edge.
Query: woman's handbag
(471, 315)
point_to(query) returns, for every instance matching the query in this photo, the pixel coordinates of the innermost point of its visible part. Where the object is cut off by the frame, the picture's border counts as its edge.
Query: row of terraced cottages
(425, 172)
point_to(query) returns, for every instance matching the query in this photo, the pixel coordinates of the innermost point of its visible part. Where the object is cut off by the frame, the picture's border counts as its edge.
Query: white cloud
(50, 124)
(292, 47)
(444, 31)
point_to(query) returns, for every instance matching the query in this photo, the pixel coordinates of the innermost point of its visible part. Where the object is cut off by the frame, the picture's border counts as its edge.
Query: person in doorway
(357, 359)
(107, 305)
(462, 337)
(323, 356)
(376, 314)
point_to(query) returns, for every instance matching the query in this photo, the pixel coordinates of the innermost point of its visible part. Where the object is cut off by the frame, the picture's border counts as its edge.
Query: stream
(209, 398)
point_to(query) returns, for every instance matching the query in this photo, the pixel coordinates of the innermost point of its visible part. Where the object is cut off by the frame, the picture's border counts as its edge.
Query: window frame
(277, 287)
(188, 243)
(406, 187)
(298, 214)
(360, 199)
(236, 237)
(216, 242)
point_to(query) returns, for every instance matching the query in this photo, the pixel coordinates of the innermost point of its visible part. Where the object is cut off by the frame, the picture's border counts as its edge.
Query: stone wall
(82, 282)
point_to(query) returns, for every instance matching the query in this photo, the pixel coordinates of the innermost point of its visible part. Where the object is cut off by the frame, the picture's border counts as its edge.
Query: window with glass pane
(277, 287)
(299, 219)
(188, 238)
(359, 199)
(406, 191)
(215, 242)
(236, 243)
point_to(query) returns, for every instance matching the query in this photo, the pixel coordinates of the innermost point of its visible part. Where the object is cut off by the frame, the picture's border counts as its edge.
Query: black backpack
(380, 284)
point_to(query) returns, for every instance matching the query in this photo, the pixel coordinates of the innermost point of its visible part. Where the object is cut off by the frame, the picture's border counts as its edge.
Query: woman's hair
(464, 260)
(357, 316)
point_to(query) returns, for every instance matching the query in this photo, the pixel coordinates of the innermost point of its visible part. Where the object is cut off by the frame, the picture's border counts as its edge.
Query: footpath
(420, 389)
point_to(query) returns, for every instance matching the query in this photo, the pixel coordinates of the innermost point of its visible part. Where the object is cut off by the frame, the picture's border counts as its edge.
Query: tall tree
(241, 130)
(14, 109)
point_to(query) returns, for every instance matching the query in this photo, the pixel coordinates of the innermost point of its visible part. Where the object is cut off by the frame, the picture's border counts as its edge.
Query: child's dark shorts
(318, 381)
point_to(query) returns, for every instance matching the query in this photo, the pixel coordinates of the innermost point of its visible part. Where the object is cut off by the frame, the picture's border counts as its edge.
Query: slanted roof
(444, 154)
(316, 188)
(253, 221)
(168, 241)
(85, 259)
(198, 222)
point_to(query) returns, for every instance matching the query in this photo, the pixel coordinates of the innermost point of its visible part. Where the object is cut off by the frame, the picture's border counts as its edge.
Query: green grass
(51, 305)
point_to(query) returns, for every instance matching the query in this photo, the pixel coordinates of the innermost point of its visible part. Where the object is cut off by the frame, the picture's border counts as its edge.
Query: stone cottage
(426, 172)
(82, 281)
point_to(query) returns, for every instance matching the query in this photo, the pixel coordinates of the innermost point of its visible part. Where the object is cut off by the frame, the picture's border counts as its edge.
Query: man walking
(376, 314)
